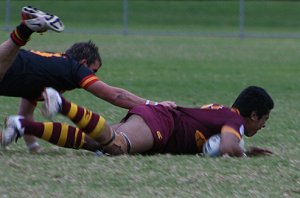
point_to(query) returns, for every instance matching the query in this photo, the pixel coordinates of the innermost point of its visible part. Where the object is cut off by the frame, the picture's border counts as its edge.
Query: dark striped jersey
(32, 71)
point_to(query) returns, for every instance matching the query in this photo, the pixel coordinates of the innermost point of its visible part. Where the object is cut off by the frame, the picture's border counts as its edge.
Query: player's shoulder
(214, 106)
(47, 54)
(221, 110)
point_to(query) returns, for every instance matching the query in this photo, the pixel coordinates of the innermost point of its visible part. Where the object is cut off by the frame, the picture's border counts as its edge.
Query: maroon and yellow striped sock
(21, 34)
(91, 123)
(60, 134)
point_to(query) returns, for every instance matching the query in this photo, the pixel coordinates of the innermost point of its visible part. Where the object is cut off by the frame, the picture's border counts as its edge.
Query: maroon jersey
(184, 130)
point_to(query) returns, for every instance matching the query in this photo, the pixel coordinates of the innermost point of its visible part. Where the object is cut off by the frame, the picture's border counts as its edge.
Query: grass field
(191, 71)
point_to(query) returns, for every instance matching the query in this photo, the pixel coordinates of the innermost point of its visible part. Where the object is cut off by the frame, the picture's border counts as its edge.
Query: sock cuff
(17, 39)
(21, 34)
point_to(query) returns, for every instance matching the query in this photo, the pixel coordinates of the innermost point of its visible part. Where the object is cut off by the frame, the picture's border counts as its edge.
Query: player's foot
(99, 153)
(40, 21)
(12, 130)
(53, 102)
(34, 148)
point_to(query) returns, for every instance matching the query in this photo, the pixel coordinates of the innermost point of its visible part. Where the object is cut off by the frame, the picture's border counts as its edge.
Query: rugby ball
(211, 147)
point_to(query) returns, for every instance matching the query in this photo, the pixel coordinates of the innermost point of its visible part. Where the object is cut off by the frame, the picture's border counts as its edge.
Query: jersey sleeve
(237, 131)
(85, 77)
(235, 124)
(88, 80)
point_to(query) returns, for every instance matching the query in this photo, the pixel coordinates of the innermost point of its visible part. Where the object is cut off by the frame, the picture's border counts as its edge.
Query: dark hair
(84, 50)
(254, 99)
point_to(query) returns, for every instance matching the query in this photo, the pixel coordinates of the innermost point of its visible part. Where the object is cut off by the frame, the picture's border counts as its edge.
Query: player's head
(255, 105)
(86, 53)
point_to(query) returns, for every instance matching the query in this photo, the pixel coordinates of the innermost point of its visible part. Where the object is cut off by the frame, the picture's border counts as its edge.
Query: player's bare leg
(137, 132)
(8, 53)
(26, 110)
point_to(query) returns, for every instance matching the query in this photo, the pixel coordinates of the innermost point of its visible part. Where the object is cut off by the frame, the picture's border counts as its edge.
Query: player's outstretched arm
(121, 97)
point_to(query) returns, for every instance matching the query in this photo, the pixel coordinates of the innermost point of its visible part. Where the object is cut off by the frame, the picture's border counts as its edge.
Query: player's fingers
(169, 104)
(268, 151)
(173, 104)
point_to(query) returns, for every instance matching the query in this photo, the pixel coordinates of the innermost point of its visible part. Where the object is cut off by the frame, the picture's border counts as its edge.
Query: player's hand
(169, 104)
(255, 151)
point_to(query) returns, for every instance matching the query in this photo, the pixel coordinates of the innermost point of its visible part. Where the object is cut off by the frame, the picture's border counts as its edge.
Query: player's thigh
(138, 133)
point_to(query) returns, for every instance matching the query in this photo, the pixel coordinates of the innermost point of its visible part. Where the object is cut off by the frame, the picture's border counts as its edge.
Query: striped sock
(60, 134)
(91, 123)
(21, 34)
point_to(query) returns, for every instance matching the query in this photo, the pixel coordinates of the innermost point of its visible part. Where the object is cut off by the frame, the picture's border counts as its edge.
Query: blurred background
(227, 18)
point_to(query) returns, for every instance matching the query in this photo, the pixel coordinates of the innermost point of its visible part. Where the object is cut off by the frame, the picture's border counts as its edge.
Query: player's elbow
(120, 98)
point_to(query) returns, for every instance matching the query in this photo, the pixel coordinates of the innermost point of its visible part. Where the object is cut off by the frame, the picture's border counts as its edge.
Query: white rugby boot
(52, 104)
(12, 130)
(40, 21)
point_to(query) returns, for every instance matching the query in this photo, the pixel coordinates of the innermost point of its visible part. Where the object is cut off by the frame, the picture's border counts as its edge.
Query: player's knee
(119, 145)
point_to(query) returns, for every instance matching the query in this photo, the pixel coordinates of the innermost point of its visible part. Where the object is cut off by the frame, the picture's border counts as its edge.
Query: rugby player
(149, 129)
(26, 73)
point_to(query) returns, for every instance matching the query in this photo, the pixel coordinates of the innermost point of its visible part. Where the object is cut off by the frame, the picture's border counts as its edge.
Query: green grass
(189, 70)
(192, 71)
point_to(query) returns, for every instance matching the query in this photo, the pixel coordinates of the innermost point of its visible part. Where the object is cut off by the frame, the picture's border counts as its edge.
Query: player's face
(254, 124)
(95, 66)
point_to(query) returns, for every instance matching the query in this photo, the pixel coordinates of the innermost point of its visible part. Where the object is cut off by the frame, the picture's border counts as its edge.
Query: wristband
(156, 103)
(147, 102)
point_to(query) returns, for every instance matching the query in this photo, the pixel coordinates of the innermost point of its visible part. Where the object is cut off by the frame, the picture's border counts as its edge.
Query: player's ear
(254, 116)
(83, 61)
